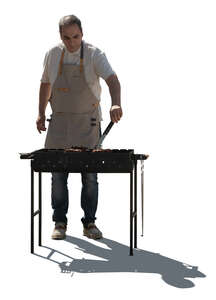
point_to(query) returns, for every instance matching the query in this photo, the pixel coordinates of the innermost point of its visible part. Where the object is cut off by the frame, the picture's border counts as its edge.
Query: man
(70, 81)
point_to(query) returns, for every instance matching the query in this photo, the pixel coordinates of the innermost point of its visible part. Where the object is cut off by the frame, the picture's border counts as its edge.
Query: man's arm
(44, 95)
(115, 93)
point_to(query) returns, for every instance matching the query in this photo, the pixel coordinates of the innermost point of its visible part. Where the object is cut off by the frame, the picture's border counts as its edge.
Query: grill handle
(106, 131)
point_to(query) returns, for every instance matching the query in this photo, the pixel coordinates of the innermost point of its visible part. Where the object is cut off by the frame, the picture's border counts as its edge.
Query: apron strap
(61, 62)
(81, 58)
(62, 57)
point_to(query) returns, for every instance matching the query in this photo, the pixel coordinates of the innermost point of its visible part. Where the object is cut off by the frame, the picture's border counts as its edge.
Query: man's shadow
(117, 259)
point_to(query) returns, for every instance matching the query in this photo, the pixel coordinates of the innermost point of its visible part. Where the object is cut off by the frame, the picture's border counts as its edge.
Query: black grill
(78, 160)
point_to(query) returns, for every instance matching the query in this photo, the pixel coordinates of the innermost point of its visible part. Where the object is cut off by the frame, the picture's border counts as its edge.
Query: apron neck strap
(81, 58)
(62, 57)
(61, 62)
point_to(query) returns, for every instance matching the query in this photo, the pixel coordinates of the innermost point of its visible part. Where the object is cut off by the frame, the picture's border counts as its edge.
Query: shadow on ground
(117, 259)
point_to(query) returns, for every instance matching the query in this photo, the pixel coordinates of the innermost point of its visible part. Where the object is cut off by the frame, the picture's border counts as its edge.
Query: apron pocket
(58, 131)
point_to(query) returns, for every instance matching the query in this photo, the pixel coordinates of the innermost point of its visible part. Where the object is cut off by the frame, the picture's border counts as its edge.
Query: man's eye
(75, 37)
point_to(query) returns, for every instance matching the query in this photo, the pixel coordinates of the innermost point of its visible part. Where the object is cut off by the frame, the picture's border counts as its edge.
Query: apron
(75, 118)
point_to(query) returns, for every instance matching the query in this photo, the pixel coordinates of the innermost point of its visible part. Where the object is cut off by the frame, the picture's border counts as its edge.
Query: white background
(164, 55)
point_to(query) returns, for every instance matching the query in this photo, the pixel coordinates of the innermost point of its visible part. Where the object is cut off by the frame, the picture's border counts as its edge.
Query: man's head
(71, 33)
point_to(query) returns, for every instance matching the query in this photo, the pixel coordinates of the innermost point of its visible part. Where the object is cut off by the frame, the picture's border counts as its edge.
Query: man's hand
(115, 93)
(115, 113)
(41, 123)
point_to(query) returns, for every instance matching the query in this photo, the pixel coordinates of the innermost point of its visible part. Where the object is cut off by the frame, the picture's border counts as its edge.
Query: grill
(80, 159)
(76, 160)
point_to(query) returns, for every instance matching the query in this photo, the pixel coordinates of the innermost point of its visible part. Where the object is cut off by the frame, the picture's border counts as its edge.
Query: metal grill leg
(142, 194)
(135, 204)
(39, 207)
(32, 210)
(131, 213)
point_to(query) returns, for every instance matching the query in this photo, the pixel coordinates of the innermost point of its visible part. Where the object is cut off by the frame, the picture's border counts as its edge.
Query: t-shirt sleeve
(45, 75)
(101, 65)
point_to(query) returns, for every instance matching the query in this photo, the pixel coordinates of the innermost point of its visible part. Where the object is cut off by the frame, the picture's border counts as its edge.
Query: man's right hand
(41, 123)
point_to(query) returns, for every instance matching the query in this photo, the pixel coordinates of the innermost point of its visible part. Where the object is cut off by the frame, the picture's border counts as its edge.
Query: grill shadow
(116, 259)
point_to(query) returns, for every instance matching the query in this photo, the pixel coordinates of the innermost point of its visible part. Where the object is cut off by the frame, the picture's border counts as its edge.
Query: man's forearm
(44, 95)
(115, 90)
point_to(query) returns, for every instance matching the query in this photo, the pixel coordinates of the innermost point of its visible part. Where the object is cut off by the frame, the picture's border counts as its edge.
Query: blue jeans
(89, 197)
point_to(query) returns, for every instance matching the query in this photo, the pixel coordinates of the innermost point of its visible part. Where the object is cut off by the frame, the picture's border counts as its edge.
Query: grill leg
(39, 207)
(142, 194)
(32, 210)
(135, 204)
(131, 213)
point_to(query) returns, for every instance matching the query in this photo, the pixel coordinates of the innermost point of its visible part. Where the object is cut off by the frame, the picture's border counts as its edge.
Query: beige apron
(75, 117)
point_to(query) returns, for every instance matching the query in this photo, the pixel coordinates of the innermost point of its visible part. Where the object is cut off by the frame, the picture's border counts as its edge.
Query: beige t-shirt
(95, 63)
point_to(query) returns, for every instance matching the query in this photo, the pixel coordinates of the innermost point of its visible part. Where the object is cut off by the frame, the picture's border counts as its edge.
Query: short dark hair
(69, 20)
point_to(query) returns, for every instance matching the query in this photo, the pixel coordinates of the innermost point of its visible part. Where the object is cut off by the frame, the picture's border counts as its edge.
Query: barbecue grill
(80, 159)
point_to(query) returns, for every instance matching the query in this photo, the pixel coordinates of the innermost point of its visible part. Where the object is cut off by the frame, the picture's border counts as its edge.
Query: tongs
(106, 131)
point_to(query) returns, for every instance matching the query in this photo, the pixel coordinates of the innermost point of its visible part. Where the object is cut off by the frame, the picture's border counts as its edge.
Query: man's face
(71, 36)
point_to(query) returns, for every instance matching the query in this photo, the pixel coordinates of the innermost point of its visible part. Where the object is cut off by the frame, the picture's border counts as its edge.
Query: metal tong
(99, 144)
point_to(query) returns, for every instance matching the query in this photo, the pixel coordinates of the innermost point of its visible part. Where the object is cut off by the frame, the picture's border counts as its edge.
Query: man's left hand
(115, 113)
